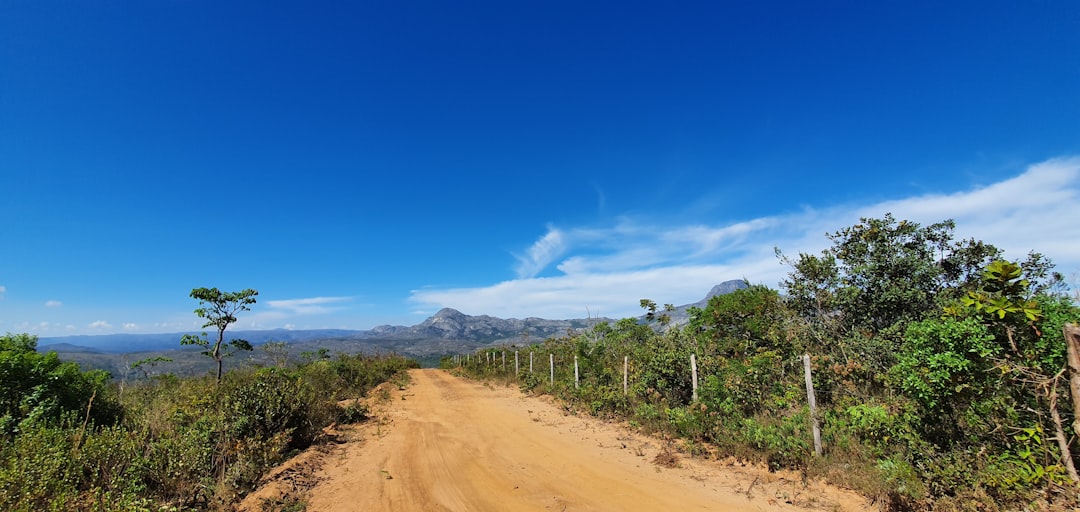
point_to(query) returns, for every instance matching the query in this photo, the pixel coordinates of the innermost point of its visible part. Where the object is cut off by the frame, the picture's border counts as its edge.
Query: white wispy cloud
(130, 326)
(53, 303)
(171, 326)
(541, 254)
(3, 290)
(606, 270)
(288, 311)
(1035, 210)
(309, 306)
(100, 324)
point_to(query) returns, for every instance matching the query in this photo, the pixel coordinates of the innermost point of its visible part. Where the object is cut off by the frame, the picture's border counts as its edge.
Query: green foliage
(45, 468)
(39, 388)
(783, 441)
(355, 412)
(654, 314)
(902, 481)
(1025, 465)
(219, 309)
(686, 422)
(271, 401)
(878, 276)
(869, 422)
(945, 363)
(181, 444)
(142, 364)
(741, 322)
(1048, 349)
(530, 381)
(1025, 323)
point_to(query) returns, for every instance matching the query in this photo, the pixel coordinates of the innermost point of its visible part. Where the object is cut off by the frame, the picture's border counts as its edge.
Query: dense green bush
(39, 388)
(169, 443)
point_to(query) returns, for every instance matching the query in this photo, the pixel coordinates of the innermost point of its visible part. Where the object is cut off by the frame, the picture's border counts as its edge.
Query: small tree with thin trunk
(219, 309)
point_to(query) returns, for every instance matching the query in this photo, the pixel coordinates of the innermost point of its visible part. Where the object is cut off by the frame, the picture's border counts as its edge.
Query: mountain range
(448, 331)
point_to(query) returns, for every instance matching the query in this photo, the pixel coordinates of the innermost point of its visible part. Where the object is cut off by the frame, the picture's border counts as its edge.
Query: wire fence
(496, 361)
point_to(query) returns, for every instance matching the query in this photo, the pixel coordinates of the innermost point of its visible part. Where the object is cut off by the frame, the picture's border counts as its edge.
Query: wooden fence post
(625, 364)
(530, 362)
(517, 370)
(504, 361)
(1072, 346)
(551, 363)
(813, 404)
(575, 373)
(693, 376)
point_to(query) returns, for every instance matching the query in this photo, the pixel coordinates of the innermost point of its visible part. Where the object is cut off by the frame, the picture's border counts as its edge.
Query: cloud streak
(291, 313)
(309, 306)
(608, 269)
(541, 254)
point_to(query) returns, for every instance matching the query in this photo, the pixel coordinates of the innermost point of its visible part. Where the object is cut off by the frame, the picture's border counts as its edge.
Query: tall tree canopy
(219, 309)
(878, 276)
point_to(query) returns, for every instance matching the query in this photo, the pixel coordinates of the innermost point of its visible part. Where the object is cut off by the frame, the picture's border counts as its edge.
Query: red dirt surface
(451, 444)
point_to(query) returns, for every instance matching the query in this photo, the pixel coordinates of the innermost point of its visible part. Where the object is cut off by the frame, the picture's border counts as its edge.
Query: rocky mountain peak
(722, 289)
(448, 314)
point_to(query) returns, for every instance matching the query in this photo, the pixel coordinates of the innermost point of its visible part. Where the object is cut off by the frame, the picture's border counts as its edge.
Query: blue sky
(368, 163)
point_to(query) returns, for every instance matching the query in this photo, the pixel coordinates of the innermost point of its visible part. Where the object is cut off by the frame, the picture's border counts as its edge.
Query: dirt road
(449, 444)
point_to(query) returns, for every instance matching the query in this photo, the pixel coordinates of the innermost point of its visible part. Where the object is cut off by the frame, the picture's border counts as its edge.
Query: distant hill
(448, 331)
(121, 343)
(68, 347)
(681, 314)
(452, 324)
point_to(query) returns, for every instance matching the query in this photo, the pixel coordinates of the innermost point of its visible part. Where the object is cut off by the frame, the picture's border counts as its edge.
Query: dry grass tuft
(666, 458)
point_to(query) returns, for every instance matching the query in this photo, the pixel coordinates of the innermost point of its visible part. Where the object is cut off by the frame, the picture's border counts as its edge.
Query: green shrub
(186, 443)
(38, 387)
(687, 422)
(783, 442)
(355, 412)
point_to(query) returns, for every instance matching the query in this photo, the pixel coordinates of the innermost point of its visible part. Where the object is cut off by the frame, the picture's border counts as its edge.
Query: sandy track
(449, 444)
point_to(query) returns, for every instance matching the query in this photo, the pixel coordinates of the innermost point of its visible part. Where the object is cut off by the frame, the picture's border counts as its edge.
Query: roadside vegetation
(77, 440)
(940, 371)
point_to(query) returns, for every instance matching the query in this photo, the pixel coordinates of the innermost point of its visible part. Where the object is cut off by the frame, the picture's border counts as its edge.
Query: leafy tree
(219, 309)
(278, 352)
(878, 276)
(1013, 302)
(745, 351)
(741, 322)
(142, 364)
(992, 366)
(945, 366)
(40, 387)
(652, 313)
